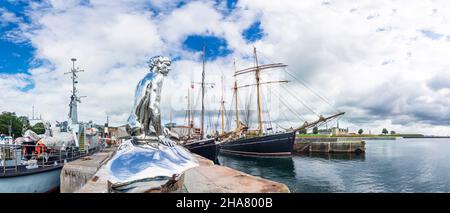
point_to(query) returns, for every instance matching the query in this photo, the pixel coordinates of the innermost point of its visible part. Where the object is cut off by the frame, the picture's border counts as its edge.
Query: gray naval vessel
(33, 163)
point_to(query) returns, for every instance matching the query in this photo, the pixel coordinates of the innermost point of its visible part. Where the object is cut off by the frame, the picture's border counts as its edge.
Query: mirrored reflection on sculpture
(149, 159)
(145, 117)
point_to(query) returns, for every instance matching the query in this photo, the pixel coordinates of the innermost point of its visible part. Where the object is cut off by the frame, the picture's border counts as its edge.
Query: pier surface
(90, 176)
(76, 174)
(220, 179)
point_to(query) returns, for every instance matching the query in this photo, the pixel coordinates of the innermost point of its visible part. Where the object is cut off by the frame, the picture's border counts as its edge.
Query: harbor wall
(329, 147)
(76, 174)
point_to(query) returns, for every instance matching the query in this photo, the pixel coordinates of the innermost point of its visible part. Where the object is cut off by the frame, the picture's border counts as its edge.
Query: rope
(303, 103)
(304, 83)
(290, 109)
(247, 106)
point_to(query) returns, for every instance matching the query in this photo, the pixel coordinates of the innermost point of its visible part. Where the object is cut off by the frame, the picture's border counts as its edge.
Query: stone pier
(90, 176)
(76, 174)
(302, 146)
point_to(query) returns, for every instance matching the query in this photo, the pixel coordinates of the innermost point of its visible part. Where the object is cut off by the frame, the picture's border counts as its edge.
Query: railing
(13, 156)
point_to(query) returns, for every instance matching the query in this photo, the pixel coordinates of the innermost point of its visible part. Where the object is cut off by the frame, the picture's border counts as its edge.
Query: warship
(33, 163)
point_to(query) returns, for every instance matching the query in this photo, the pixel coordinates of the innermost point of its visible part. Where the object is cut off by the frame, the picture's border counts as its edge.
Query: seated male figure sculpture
(145, 118)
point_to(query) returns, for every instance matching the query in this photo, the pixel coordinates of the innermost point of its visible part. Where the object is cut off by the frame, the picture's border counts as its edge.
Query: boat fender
(40, 148)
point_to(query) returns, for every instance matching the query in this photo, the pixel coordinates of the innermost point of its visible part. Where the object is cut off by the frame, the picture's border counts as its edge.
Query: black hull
(205, 148)
(268, 145)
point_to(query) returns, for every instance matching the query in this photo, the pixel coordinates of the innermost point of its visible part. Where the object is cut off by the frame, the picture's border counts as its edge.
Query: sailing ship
(243, 141)
(33, 163)
(198, 143)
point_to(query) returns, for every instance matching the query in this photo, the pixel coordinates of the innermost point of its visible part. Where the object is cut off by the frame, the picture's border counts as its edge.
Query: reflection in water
(334, 156)
(405, 165)
(278, 168)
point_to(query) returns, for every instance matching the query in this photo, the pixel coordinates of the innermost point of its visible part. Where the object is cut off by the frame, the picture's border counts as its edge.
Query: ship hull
(38, 181)
(268, 145)
(205, 148)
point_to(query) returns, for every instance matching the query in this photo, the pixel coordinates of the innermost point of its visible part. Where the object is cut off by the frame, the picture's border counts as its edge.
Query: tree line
(315, 130)
(11, 124)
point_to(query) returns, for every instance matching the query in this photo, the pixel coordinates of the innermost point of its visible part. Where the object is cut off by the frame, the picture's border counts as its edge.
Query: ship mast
(260, 126)
(189, 113)
(236, 96)
(222, 108)
(257, 68)
(202, 133)
(73, 113)
(203, 84)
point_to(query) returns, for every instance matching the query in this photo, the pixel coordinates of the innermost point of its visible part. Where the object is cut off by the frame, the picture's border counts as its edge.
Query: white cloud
(7, 17)
(368, 58)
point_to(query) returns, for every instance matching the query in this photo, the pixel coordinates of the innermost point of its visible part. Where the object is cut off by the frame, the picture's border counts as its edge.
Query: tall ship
(257, 142)
(33, 163)
(194, 139)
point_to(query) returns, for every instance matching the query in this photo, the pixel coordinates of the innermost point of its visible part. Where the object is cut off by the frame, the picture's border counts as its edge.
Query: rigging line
(233, 106)
(313, 91)
(249, 112)
(269, 121)
(217, 121)
(186, 115)
(291, 109)
(303, 103)
(310, 103)
(197, 102)
(229, 114)
(279, 126)
(297, 87)
(211, 123)
(303, 82)
(286, 119)
(269, 109)
(247, 103)
(210, 127)
(225, 118)
(264, 122)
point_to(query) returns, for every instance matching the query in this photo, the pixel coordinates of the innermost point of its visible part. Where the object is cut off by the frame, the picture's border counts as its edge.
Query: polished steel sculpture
(149, 159)
(145, 118)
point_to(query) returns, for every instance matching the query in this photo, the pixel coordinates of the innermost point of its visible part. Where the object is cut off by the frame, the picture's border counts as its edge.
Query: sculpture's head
(159, 64)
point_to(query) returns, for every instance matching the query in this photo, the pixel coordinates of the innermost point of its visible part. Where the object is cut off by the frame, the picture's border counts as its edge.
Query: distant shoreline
(369, 137)
(426, 137)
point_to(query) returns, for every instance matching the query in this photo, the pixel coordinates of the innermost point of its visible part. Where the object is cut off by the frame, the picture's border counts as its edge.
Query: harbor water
(403, 165)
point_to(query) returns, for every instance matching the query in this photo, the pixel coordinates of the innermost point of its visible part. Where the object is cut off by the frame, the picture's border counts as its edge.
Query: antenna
(73, 114)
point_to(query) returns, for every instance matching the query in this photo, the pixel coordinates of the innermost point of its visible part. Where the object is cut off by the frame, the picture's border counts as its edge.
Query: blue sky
(17, 56)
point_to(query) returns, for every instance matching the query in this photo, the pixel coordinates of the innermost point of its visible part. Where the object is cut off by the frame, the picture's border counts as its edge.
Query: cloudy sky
(385, 63)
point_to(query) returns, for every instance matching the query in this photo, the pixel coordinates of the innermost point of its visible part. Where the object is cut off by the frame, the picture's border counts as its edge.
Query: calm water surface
(404, 165)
